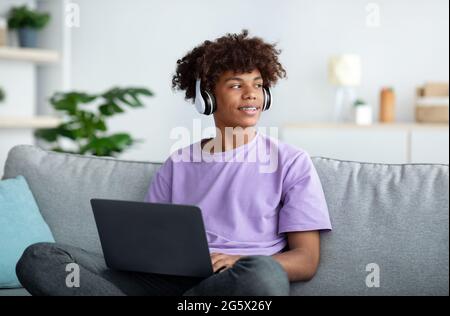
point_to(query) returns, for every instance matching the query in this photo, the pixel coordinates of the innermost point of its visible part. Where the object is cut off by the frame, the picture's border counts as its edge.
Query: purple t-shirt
(250, 197)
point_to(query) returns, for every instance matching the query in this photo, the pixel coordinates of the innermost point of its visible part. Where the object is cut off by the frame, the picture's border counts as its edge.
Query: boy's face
(239, 99)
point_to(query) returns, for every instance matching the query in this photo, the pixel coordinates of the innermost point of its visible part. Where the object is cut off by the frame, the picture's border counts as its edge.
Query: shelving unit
(29, 76)
(378, 143)
(384, 126)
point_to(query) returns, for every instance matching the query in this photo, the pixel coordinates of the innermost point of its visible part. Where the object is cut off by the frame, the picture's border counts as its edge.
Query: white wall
(138, 42)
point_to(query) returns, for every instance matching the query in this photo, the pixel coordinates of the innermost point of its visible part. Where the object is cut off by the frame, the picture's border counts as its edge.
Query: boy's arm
(300, 262)
(302, 259)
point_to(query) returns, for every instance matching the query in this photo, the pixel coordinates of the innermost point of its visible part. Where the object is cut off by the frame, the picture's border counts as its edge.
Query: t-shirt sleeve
(160, 190)
(304, 207)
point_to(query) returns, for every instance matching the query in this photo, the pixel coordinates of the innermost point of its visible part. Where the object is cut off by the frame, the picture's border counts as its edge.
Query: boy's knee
(35, 260)
(264, 276)
(30, 257)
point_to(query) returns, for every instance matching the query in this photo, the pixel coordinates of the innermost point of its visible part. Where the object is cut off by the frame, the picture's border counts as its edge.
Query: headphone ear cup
(267, 98)
(210, 102)
(214, 104)
(199, 101)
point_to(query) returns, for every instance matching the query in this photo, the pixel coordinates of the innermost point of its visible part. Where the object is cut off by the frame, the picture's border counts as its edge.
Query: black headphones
(205, 102)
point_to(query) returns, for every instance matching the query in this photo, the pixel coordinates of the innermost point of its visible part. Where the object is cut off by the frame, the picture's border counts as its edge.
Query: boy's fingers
(213, 255)
(219, 264)
(217, 257)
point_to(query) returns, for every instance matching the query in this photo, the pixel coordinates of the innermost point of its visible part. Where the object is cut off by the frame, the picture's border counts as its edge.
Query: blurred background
(367, 81)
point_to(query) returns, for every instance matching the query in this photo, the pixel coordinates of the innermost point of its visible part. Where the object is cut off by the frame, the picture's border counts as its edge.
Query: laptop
(153, 237)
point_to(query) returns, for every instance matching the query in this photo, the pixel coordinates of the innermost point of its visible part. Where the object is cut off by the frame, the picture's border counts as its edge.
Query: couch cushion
(21, 225)
(395, 216)
(63, 185)
(14, 292)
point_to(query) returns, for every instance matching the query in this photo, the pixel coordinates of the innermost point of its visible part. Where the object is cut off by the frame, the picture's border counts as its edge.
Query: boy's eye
(238, 86)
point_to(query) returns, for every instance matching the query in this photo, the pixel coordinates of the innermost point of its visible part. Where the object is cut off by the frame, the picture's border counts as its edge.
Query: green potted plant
(362, 112)
(27, 22)
(85, 127)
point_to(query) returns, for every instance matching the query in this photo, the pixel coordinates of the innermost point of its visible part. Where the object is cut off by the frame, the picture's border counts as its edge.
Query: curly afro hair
(235, 52)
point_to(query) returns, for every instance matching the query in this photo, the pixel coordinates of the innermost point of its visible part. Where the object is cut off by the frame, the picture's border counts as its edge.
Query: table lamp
(344, 71)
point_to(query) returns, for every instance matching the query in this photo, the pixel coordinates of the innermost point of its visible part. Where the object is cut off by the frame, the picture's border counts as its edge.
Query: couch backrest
(388, 217)
(63, 185)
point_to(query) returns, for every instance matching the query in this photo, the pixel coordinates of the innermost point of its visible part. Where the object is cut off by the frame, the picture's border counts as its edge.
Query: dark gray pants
(42, 271)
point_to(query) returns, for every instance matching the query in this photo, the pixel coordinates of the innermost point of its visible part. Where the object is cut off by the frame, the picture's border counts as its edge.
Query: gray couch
(395, 216)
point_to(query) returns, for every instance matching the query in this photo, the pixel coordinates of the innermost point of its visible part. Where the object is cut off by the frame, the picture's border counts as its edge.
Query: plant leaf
(48, 134)
(120, 141)
(143, 91)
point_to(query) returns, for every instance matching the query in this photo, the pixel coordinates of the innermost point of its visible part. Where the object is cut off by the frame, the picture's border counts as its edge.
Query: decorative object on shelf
(363, 112)
(344, 71)
(432, 103)
(387, 105)
(3, 31)
(27, 22)
(86, 128)
(2, 95)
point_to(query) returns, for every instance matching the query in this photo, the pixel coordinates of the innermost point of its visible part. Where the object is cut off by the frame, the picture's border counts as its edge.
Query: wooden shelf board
(29, 122)
(29, 54)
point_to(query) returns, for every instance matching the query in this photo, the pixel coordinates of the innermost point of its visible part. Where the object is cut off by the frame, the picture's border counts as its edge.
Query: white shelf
(29, 55)
(381, 126)
(29, 122)
(395, 143)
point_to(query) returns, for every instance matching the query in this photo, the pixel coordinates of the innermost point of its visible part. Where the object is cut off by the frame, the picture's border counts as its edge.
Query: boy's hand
(221, 261)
